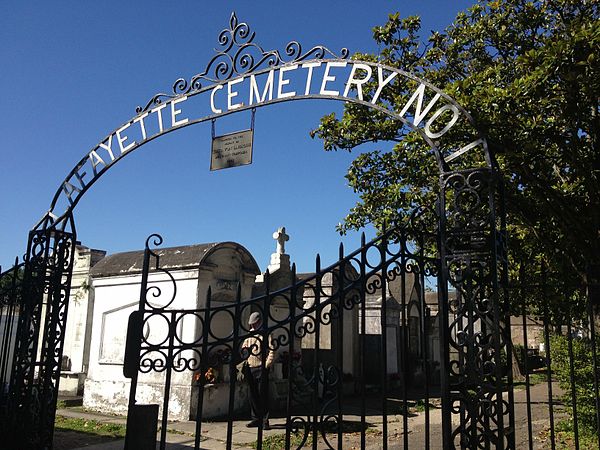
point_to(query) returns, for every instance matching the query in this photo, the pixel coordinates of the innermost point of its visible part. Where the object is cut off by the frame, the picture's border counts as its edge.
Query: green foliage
(6, 280)
(277, 441)
(559, 294)
(565, 437)
(10, 285)
(584, 380)
(529, 74)
(537, 378)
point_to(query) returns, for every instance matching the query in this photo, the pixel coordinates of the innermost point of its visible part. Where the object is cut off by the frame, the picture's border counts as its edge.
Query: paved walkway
(180, 435)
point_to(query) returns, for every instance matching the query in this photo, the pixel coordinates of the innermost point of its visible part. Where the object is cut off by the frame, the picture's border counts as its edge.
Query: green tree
(529, 74)
(583, 379)
(10, 285)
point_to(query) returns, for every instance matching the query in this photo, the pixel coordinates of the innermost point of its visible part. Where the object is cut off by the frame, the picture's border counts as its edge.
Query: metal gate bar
(322, 416)
(43, 306)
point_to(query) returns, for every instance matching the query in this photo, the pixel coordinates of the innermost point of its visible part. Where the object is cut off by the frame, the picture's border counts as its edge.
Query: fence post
(40, 337)
(593, 303)
(473, 262)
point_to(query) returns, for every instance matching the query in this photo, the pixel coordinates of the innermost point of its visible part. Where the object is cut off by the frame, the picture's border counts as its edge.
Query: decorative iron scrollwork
(239, 55)
(37, 364)
(196, 340)
(477, 329)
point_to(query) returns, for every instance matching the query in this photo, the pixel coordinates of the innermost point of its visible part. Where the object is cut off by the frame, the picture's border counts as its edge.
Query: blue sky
(73, 71)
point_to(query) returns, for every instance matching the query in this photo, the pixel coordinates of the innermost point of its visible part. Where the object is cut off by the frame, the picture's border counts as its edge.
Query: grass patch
(537, 378)
(565, 437)
(277, 441)
(412, 408)
(373, 432)
(534, 378)
(90, 426)
(419, 406)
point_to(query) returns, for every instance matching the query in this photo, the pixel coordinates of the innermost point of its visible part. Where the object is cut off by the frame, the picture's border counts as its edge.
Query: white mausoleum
(106, 290)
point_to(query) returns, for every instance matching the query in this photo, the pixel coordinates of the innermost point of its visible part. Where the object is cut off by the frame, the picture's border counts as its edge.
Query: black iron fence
(355, 351)
(554, 360)
(10, 307)
(34, 300)
(389, 393)
(550, 365)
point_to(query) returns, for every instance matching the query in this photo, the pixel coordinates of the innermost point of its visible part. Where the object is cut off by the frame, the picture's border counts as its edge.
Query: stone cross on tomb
(281, 239)
(279, 260)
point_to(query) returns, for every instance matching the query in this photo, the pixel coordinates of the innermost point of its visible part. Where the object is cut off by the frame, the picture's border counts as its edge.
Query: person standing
(257, 373)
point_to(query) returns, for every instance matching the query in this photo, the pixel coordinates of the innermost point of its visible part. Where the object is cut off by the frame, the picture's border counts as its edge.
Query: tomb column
(205, 278)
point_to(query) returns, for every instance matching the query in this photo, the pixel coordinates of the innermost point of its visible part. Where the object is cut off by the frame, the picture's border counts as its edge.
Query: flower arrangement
(209, 377)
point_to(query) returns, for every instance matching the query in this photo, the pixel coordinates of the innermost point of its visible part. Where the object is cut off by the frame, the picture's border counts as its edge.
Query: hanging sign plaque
(231, 150)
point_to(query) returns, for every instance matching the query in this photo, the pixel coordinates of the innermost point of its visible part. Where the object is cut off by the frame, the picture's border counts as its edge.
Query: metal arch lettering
(330, 79)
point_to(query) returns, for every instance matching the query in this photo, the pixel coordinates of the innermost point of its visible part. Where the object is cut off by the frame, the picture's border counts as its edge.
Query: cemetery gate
(329, 332)
(453, 355)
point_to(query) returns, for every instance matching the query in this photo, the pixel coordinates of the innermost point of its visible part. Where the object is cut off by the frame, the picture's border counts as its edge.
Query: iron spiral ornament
(237, 54)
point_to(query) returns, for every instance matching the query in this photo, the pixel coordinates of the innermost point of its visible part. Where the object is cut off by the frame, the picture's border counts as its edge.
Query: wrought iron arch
(471, 224)
(240, 59)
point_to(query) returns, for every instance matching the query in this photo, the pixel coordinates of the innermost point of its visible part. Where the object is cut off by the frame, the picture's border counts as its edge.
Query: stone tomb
(116, 283)
(76, 353)
(329, 325)
(280, 277)
(106, 289)
(411, 293)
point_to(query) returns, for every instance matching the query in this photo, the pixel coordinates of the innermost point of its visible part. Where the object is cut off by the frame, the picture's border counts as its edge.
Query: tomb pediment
(129, 263)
